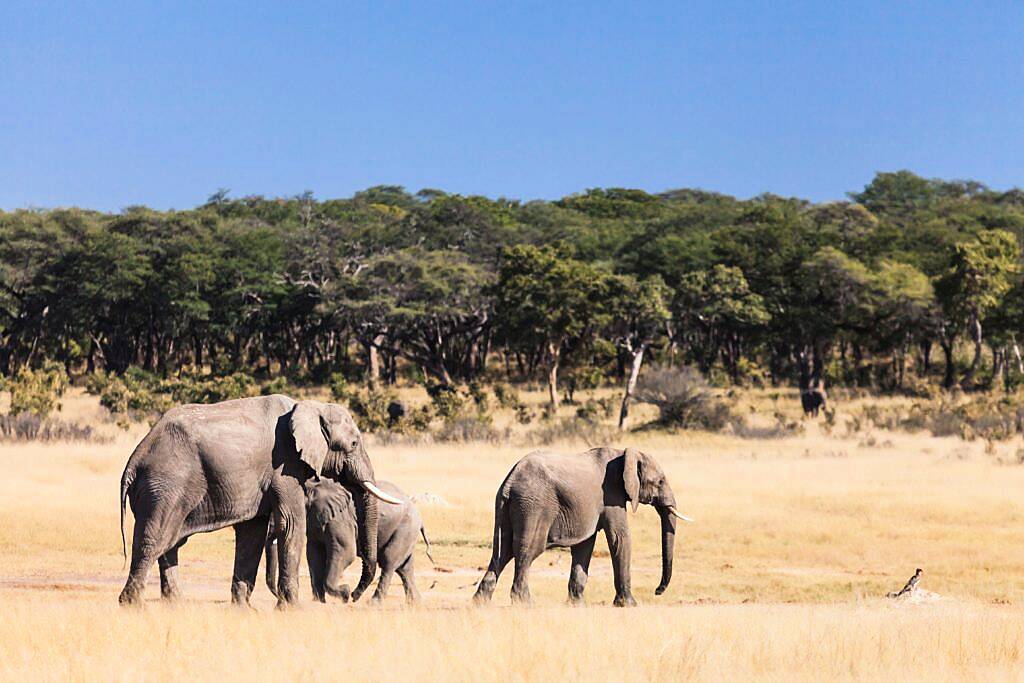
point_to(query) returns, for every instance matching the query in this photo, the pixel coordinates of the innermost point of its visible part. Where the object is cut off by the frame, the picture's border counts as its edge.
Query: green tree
(543, 297)
(981, 272)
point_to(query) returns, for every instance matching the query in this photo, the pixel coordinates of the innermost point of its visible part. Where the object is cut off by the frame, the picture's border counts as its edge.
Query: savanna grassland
(782, 575)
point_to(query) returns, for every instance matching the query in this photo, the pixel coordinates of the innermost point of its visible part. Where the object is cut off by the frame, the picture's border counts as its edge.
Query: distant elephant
(333, 516)
(239, 463)
(813, 399)
(551, 500)
(396, 411)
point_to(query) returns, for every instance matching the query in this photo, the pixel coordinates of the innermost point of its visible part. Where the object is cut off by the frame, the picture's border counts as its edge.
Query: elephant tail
(271, 570)
(423, 533)
(126, 482)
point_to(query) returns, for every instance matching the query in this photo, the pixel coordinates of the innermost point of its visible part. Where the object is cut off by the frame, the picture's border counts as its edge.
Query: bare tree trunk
(373, 365)
(555, 354)
(634, 373)
(976, 337)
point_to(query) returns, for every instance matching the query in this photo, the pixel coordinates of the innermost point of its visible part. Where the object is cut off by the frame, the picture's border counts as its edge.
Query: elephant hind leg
(168, 563)
(157, 530)
(407, 574)
(501, 553)
(250, 538)
(581, 554)
(384, 582)
(530, 531)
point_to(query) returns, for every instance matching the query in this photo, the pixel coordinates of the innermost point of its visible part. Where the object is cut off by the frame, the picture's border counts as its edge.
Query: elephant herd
(289, 474)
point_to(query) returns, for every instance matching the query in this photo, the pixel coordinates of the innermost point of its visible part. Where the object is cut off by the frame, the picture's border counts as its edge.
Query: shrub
(524, 415)
(683, 398)
(190, 388)
(467, 429)
(371, 407)
(28, 426)
(339, 387)
(506, 396)
(571, 429)
(447, 401)
(480, 398)
(134, 394)
(278, 385)
(38, 391)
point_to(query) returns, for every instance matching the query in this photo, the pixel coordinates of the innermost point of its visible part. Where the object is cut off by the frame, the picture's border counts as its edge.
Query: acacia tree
(717, 310)
(638, 315)
(431, 303)
(981, 272)
(543, 297)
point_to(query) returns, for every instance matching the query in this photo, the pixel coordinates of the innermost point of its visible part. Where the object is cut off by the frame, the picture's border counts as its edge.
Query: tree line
(867, 292)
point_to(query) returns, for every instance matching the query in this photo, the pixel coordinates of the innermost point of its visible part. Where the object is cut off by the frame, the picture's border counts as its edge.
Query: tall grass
(797, 538)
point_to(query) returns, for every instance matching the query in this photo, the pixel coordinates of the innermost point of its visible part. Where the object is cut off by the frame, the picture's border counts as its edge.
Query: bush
(135, 394)
(683, 398)
(193, 388)
(507, 396)
(278, 385)
(371, 408)
(480, 398)
(468, 429)
(28, 426)
(339, 387)
(571, 429)
(37, 391)
(447, 401)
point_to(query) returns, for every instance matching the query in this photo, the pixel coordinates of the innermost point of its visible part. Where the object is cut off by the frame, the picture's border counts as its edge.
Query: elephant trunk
(367, 544)
(271, 571)
(668, 542)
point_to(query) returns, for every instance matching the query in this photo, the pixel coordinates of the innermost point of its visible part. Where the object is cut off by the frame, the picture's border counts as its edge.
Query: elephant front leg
(581, 554)
(291, 537)
(619, 546)
(250, 537)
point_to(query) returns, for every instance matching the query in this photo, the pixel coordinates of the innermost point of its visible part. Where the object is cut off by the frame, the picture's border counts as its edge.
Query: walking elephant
(333, 517)
(240, 463)
(552, 500)
(813, 399)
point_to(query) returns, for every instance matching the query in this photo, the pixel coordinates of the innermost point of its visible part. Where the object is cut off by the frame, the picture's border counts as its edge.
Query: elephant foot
(521, 598)
(127, 599)
(170, 594)
(624, 601)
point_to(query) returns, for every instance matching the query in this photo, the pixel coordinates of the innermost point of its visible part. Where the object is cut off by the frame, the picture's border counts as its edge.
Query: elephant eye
(354, 444)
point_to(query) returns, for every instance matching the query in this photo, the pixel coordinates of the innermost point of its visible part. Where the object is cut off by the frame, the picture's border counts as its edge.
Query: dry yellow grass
(780, 577)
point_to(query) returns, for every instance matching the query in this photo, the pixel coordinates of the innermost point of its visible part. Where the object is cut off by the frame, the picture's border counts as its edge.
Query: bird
(911, 585)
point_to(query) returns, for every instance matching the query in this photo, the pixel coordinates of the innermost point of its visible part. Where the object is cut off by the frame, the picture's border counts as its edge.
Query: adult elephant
(553, 500)
(237, 463)
(333, 517)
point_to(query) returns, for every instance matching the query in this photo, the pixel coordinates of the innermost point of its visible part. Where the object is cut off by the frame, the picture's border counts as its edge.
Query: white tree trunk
(634, 373)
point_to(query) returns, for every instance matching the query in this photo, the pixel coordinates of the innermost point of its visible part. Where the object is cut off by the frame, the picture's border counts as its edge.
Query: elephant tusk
(387, 498)
(682, 517)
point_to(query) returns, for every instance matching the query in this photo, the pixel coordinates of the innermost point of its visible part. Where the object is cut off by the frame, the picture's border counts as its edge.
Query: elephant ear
(328, 501)
(631, 475)
(310, 442)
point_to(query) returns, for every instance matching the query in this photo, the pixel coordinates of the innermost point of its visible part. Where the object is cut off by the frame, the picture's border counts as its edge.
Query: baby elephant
(332, 518)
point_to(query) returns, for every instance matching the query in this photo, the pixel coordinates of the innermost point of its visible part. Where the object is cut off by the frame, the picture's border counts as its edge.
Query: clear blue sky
(113, 104)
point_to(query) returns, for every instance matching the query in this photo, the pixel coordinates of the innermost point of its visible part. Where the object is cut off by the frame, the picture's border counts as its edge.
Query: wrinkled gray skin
(552, 500)
(333, 515)
(239, 463)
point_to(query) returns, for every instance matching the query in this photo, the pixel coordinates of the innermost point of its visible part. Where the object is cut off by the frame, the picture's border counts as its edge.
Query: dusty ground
(781, 577)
